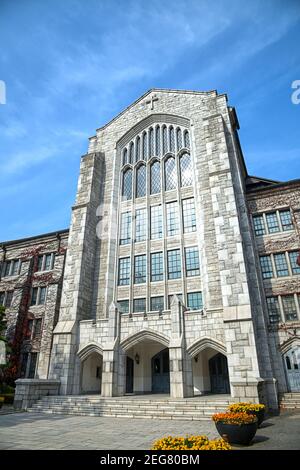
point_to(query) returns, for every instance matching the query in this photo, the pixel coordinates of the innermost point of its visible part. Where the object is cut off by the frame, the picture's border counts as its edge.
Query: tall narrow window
(131, 153)
(157, 141)
(273, 309)
(186, 174)
(137, 149)
(145, 147)
(272, 222)
(189, 216)
(140, 269)
(172, 219)
(32, 365)
(289, 307)
(286, 220)
(140, 225)
(124, 156)
(281, 265)
(266, 266)
(156, 222)
(192, 265)
(127, 184)
(141, 181)
(125, 236)
(179, 138)
(259, 226)
(165, 139)
(172, 139)
(186, 139)
(174, 264)
(293, 255)
(170, 174)
(155, 182)
(194, 301)
(151, 142)
(157, 267)
(124, 271)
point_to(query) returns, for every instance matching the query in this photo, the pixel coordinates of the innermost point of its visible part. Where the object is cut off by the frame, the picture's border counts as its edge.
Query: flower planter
(260, 416)
(241, 434)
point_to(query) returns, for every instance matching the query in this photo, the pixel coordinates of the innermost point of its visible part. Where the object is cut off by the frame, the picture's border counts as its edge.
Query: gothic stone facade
(162, 286)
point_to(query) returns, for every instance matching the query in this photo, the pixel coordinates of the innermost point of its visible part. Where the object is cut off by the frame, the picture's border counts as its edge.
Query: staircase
(197, 408)
(290, 401)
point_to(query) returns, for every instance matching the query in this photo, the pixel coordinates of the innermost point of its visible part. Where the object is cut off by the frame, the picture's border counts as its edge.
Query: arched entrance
(218, 372)
(91, 357)
(292, 366)
(160, 366)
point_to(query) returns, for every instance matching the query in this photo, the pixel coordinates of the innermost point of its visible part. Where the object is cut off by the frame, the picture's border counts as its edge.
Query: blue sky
(70, 66)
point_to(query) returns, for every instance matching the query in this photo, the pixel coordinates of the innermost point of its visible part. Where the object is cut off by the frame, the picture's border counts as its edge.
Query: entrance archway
(91, 357)
(160, 365)
(218, 373)
(292, 367)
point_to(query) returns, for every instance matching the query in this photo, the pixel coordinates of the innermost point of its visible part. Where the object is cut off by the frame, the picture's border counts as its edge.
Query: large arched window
(141, 181)
(145, 147)
(151, 142)
(179, 138)
(172, 139)
(137, 149)
(170, 174)
(131, 152)
(165, 140)
(124, 156)
(186, 175)
(155, 185)
(127, 184)
(186, 139)
(157, 140)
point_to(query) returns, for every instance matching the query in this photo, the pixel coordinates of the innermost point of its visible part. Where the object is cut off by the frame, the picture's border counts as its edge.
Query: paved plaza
(41, 431)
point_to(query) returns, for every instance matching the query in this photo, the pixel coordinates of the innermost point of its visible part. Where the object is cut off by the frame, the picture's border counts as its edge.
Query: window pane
(131, 153)
(127, 185)
(172, 139)
(165, 140)
(189, 216)
(259, 226)
(124, 271)
(140, 269)
(141, 181)
(266, 266)
(8, 300)
(2, 297)
(281, 264)
(145, 147)
(294, 255)
(155, 178)
(123, 306)
(194, 301)
(42, 296)
(157, 141)
(151, 142)
(174, 264)
(48, 260)
(34, 296)
(179, 138)
(286, 220)
(139, 305)
(15, 267)
(272, 222)
(186, 139)
(289, 307)
(172, 219)
(156, 303)
(273, 309)
(138, 149)
(7, 268)
(186, 175)
(124, 156)
(40, 263)
(156, 222)
(140, 225)
(125, 236)
(170, 174)
(157, 267)
(192, 261)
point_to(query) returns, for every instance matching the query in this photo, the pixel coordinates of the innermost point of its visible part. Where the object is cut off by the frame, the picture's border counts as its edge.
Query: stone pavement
(41, 431)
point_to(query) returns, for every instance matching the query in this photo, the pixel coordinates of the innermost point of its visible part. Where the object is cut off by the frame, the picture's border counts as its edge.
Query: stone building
(181, 272)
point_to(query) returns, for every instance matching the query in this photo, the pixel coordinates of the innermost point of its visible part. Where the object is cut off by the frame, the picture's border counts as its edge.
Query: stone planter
(241, 434)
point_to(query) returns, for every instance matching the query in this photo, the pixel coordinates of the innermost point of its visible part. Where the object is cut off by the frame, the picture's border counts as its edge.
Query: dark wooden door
(161, 372)
(129, 374)
(218, 371)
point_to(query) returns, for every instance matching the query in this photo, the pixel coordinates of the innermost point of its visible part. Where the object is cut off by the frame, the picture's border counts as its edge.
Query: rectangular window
(289, 307)
(34, 296)
(125, 236)
(293, 255)
(272, 222)
(123, 306)
(259, 226)
(172, 219)
(157, 267)
(266, 266)
(156, 222)
(11, 268)
(189, 216)
(192, 261)
(140, 225)
(281, 264)
(40, 263)
(286, 220)
(45, 262)
(139, 305)
(9, 297)
(170, 298)
(32, 365)
(194, 301)
(140, 269)
(38, 295)
(174, 264)
(48, 262)
(273, 309)
(124, 271)
(157, 304)
(42, 295)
